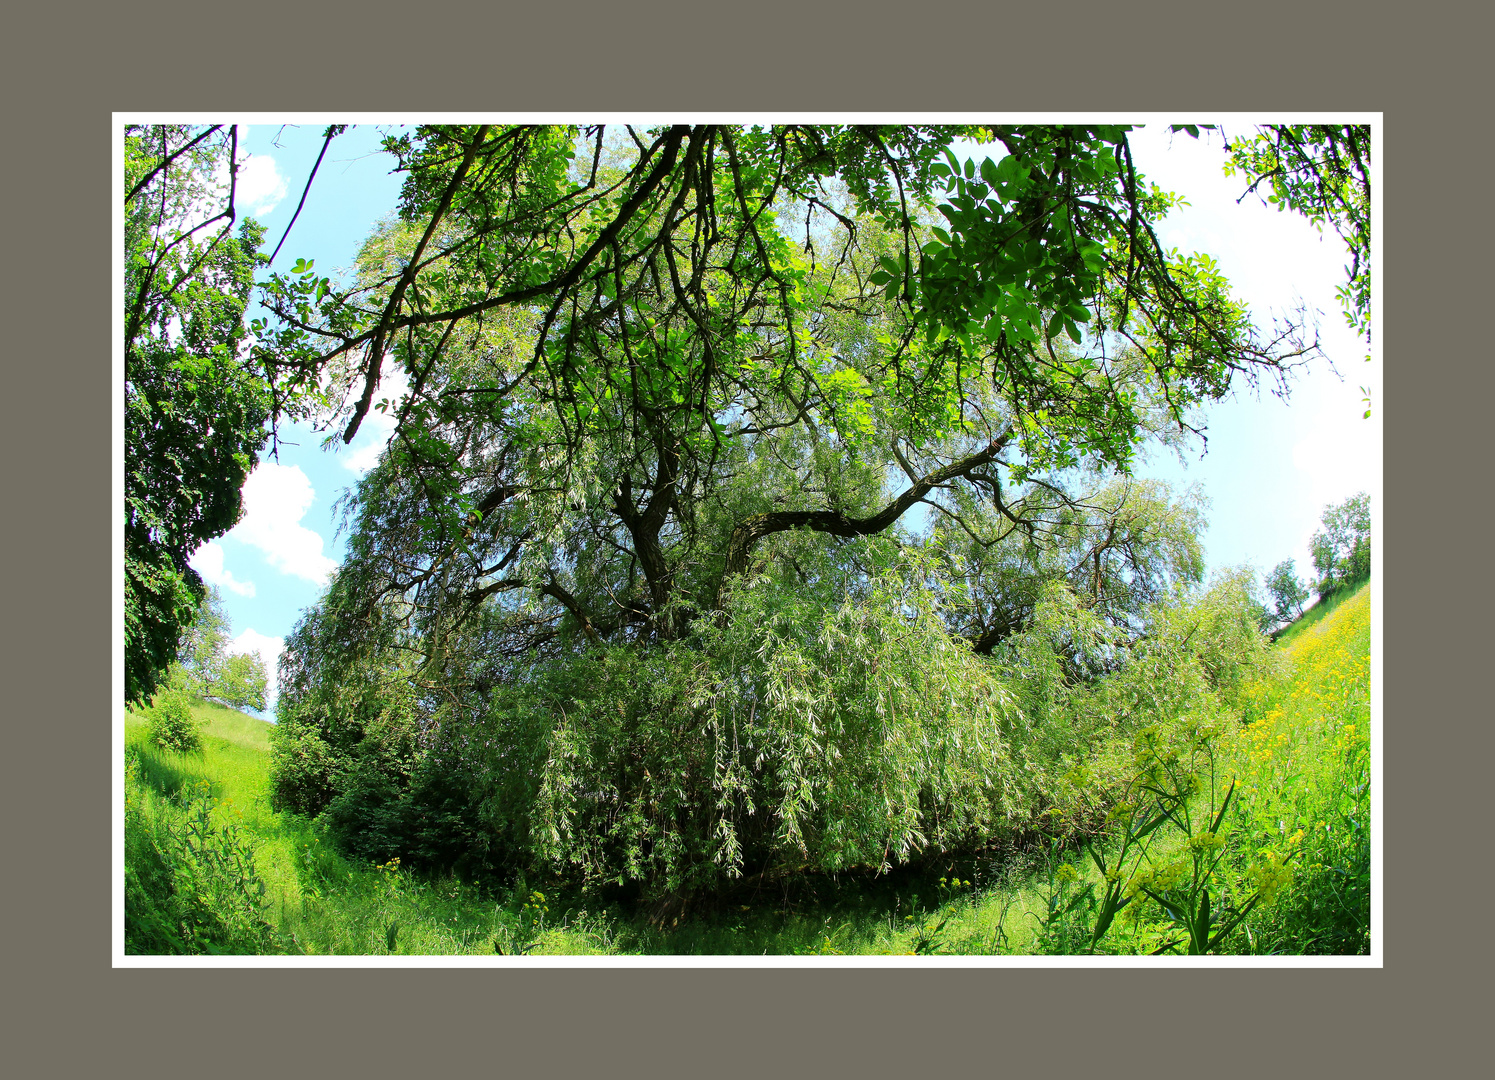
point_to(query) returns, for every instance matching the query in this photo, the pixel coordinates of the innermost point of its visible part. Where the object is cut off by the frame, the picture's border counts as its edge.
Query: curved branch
(750, 530)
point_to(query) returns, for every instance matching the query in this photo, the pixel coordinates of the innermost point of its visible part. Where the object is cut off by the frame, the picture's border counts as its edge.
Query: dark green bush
(305, 770)
(430, 823)
(798, 734)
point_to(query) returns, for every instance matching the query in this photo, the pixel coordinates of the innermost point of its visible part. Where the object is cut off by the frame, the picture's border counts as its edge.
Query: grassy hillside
(1306, 750)
(1285, 867)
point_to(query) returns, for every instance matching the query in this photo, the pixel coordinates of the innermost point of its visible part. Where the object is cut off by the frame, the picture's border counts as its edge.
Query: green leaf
(1086, 894)
(1095, 857)
(1223, 807)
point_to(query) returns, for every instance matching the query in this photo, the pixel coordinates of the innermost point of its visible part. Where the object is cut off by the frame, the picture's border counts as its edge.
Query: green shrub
(305, 771)
(430, 823)
(798, 734)
(171, 726)
(150, 892)
(336, 717)
(809, 730)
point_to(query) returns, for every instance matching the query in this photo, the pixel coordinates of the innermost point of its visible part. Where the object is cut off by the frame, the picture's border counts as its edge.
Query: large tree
(194, 411)
(674, 397)
(599, 329)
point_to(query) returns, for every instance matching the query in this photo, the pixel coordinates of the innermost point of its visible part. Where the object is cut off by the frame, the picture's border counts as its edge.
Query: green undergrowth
(1244, 833)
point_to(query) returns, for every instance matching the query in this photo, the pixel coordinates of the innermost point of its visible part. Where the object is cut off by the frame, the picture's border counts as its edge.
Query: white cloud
(258, 190)
(276, 497)
(1338, 455)
(269, 650)
(208, 561)
(366, 456)
(260, 187)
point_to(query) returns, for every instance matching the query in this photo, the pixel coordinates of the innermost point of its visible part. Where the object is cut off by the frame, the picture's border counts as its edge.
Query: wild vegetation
(759, 517)
(211, 868)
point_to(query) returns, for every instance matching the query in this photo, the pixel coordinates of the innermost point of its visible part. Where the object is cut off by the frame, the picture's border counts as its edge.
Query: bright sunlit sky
(1271, 467)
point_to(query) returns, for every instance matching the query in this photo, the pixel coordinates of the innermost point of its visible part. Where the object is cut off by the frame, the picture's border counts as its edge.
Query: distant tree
(205, 667)
(194, 411)
(204, 643)
(1288, 591)
(1341, 549)
(242, 681)
(1261, 615)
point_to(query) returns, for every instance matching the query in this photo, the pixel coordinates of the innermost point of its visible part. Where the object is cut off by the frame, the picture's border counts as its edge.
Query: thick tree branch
(750, 530)
(555, 589)
(376, 346)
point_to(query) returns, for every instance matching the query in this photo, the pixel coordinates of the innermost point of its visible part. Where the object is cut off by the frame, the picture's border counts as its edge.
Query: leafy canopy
(194, 411)
(1322, 172)
(604, 333)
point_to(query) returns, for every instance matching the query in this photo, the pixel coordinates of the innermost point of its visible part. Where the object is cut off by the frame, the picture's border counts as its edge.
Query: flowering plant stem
(1181, 886)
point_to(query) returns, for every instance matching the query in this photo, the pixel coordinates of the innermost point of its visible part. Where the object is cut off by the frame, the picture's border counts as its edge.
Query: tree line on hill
(1341, 559)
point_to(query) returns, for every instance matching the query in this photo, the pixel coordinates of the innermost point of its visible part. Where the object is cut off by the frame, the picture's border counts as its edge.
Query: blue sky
(1271, 465)
(274, 563)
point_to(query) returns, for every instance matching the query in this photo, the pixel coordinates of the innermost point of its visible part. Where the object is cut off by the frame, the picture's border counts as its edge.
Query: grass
(1297, 833)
